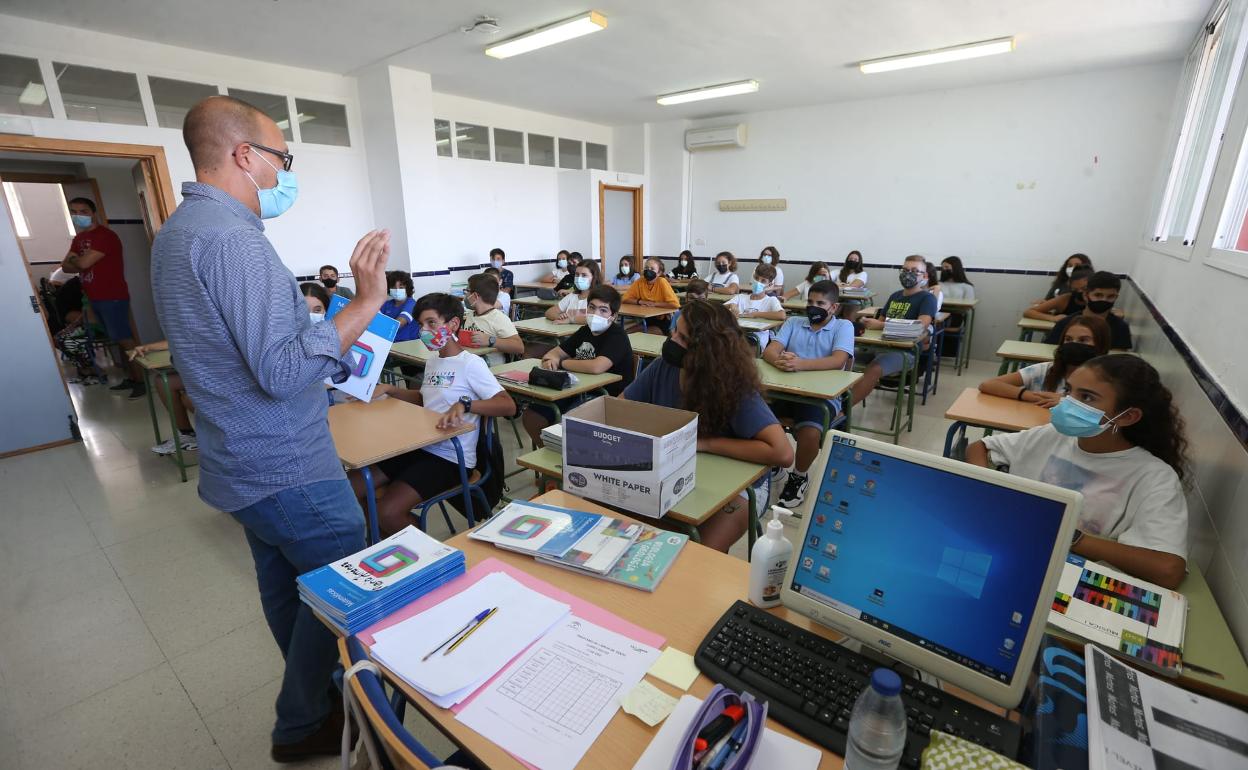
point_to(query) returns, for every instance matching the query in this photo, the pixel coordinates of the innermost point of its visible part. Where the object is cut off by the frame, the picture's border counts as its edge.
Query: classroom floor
(132, 634)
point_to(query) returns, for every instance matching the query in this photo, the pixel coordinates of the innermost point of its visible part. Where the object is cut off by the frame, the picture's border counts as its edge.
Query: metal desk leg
(752, 525)
(371, 500)
(463, 478)
(914, 384)
(954, 429)
(1005, 367)
(847, 407)
(969, 324)
(899, 408)
(151, 403)
(173, 424)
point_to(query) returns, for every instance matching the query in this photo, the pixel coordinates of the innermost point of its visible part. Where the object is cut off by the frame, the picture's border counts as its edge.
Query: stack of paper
(536, 529)
(358, 590)
(449, 676)
(902, 329)
(552, 437)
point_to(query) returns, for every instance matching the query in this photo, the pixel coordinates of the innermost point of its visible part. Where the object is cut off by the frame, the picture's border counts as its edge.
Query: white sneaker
(189, 441)
(164, 448)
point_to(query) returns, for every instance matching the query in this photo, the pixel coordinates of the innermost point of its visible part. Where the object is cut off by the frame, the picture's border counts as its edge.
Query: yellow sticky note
(675, 667)
(648, 703)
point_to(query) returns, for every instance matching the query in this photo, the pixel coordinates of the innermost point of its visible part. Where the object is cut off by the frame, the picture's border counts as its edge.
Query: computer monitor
(948, 567)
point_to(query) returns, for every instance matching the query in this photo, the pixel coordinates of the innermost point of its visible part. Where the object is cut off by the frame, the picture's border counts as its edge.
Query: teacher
(253, 362)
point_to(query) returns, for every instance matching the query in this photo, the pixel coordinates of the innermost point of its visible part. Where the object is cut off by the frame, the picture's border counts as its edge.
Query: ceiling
(802, 51)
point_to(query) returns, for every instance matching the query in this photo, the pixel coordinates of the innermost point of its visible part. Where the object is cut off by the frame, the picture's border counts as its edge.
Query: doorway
(619, 224)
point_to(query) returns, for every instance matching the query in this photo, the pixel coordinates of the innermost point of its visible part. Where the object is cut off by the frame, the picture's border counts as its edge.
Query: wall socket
(755, 204)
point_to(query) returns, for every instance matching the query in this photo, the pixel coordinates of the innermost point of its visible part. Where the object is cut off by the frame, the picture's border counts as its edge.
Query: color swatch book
(1128, 616)
(536, 529)
(367, 357)
(599, 551)
(646, 561)
(358, 590)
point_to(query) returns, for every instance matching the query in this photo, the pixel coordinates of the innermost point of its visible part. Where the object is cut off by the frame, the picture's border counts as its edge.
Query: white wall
(43, 208)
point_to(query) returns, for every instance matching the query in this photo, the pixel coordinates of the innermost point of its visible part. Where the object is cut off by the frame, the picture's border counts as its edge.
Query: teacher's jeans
(290, 533)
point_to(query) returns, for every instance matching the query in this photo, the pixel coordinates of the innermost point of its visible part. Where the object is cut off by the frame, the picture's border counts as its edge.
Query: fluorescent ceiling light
(710, 92)
(938, 56)
(33, 94)
(588, 22)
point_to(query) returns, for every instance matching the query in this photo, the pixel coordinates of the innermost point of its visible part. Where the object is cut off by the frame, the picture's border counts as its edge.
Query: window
(15, 208)
(541, 150)
(1211, 74)
(472, 141)
(322, 123)
(100, 96)
(270, 104)
(174, 98)
(508, 146)
(442, 137)
(570, 154)
(595, 156)
(22, 91)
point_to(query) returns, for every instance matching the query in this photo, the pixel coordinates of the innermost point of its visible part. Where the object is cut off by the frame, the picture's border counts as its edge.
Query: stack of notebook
(902, 329)
(552, 437)
(358, 590)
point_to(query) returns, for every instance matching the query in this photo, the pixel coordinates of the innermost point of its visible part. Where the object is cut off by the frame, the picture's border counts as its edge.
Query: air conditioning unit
(713, 138)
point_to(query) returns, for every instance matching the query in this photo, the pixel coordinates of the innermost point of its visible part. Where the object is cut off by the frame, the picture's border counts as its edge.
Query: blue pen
(467, 629)
(732, 746)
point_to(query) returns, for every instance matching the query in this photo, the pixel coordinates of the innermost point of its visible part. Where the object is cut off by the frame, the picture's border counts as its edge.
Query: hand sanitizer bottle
(769, 560)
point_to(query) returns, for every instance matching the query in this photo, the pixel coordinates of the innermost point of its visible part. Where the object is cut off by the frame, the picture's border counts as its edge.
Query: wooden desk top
(985, 411)
(826, 384)
(367, 433)
(155, 361)
(647, 345)
(533, 285)
(960, 304)
(546, 328)
(415, 352)
(1035, 324)
(534, 302)
(875, 338)
(585, 382)
(759, 324)
(642, 311)
(1034, 352)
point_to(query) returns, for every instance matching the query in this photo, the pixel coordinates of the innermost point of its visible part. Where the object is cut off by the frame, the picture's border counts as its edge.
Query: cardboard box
(635, 456)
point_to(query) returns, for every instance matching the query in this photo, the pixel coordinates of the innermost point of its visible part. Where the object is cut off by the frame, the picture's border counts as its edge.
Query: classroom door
(619, 222)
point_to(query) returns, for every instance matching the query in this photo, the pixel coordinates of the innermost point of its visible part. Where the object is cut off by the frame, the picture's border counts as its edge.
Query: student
(506, 279)
(723, 279)
(503, 302)
(574, 306)
(1117, 438)
(564, 287)
(401, 306)
(933, 285)
(770, 255)
(458, 385)
(758, 303)
(697, 289)
(819, 271)
(1085, 338)
(685, 269)
(653, 290)
(912, 302)
(816, 341)
(560, 270)
(317, 300)
(175, 395)
(329, 278)
(1102, 293)
(852, 274)
(953, 281)
(707, 368)
(490, 326)
(1061, 283)
(1067, 303)
(626, 275)
(601, 347)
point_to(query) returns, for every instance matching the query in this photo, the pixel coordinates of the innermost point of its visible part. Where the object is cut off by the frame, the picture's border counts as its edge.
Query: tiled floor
(132, 634)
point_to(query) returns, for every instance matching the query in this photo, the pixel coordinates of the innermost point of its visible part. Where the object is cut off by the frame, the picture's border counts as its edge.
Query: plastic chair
(476, 481)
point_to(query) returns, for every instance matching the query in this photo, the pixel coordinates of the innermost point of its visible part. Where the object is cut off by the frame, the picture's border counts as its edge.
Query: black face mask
(721, 268)
(853, 265)
(649, 274)
(946, 276)
(1100, 306)
(816, 314)
(908, 279)
(674, 353)
(329, 282)
(1074, 353)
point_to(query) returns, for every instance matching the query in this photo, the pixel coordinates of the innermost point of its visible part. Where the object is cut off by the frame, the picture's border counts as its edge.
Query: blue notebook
(535, 529)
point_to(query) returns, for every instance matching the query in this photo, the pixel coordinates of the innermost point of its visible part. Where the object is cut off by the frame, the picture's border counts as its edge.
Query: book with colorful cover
(602, 548)
(646, 562)
(1130, 617)
(367, 357)
(536, 529)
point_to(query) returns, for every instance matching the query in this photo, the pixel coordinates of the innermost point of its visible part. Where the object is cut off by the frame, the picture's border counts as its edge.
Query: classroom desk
(586, 383)
(973, 409)
(1014, 353)
(816, 388)
(647, 345)
(540, 327)
(1029, 326)
(759, 324)
(643, 312)
(415, 352)
(159, 363)
(533, 303)
(531, 286)
(967, 308)
(909, 378)
(367, 433)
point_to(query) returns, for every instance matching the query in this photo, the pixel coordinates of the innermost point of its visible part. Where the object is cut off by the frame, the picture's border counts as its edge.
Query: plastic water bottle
(877, 725)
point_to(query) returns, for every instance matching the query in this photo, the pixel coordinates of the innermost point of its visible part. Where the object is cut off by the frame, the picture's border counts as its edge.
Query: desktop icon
(837, 525)
(829, 550)
(869, 487)
(858, 456)
(1008, 644)
(808, 563)
(821, 519)
(850, 480)
(825, 572)
(814, 541)
(1017, 618)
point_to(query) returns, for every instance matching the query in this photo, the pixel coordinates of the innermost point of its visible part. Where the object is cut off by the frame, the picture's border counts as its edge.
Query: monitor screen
(950, 563)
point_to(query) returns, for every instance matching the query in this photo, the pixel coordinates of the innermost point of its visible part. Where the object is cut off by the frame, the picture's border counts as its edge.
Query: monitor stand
(874, 655)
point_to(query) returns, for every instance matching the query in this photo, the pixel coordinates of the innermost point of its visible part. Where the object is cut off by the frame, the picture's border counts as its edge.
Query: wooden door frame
(602, 220)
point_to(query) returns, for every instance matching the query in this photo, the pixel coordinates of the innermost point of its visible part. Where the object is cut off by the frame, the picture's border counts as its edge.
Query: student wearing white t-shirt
(852, 275)
(1118, 439)
(560, 270)
(1044, 384)
(770, 255)
(758, 304)
(490, 326)
(819, 271)
(723, 279)
(573, 307)
(456, 384)
(503, 302)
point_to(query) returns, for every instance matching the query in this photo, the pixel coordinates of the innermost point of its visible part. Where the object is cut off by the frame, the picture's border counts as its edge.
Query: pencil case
(753, 720)
(544, 378)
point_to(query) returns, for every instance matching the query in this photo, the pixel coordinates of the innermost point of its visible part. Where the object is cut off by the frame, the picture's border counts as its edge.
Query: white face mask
(316, 317)
(597, 324)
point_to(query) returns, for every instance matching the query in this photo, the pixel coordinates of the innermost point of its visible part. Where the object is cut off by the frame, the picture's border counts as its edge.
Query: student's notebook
(599, 550)
(647, 560)
(367, 357)
(536, 529)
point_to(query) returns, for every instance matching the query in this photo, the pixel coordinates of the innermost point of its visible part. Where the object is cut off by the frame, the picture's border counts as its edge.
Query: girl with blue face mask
(571, 309)
(401, 306)
(1117, 438)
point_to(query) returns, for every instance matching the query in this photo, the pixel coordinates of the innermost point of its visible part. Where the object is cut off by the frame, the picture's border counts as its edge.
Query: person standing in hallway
(95, 253)
(253, 362)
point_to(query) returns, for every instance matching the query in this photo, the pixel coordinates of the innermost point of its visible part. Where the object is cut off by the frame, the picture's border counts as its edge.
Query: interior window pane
(595, 156)
(100, 96)
(541, 150)
(472, 141)
(22, 90)
(508, 146)
(270, 104)
(442, 137)
(322, 123)
(174, 98)
(569, 153)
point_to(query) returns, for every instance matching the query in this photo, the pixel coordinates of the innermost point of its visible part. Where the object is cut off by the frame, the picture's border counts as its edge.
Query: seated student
(1061, 283)
(707, 368)
(912, 302)
(1117, 438)
(564, 287)
(1067, 303)
(329, 277)
(560, 269)
(490, 326)
(933, 285)
(653, 290)
(573, 308)
(626, 276)
(817, 341)
(176, 394)
(1085, 338)
(685, 269)
(317, 300)
(852, 274)
(401, 306)
(819, 271)
(458, 385)
(770, 255)
(953, 281)
(723, 279)
(503, 302)
(506, 279)
(758, 304)
(1102, 293)
(601, 347)
(696, 289)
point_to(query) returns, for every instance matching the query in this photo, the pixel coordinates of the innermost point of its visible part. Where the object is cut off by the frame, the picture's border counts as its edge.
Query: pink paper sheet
(580, 607)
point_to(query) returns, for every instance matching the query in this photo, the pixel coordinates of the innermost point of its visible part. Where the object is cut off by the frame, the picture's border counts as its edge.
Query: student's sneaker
(777, 472)
(137, 390)
(794, 491)
(126, 384)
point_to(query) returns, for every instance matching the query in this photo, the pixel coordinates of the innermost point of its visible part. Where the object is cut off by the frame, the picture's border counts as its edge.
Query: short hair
(697, 286)
(316, 291)
(491, 271)
(446, 306)
(1103, 279)
(216, 125)
(400, 277)
(658, 261)
(1082, 273)
(327, 267)
(826, 289)
(84, 201)
(766, 272)
(605, 293)
(497, 253)
(484, 286)
(577, 256)
(915, 258)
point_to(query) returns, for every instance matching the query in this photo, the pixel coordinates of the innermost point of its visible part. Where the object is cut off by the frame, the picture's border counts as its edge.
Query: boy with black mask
(1101, 294)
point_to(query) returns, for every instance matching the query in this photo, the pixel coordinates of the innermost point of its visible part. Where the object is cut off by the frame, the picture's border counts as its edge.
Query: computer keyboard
(811, 684)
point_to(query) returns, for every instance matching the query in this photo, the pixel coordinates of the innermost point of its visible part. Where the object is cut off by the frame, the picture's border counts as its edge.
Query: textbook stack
(358, 590)
(902, 329)
(552, 437)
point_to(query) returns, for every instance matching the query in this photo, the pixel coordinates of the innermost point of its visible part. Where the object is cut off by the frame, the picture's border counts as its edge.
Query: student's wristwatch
(1074, 540)
(466, 403)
